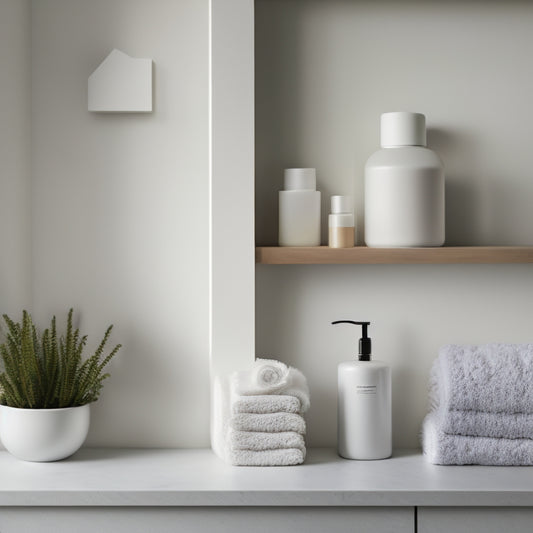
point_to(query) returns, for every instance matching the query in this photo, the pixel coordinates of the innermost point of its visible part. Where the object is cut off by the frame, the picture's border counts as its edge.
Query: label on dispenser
(366, 390)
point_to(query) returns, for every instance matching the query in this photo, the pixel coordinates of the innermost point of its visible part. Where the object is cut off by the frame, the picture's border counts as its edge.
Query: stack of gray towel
(258, 415)
(482, 406)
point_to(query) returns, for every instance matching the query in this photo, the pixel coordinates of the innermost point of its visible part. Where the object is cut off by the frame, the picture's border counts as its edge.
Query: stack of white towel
(258, 415)
(482, 406)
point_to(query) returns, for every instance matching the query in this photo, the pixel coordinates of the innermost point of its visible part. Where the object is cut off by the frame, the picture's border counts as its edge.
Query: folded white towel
(282, 457)
(220, 413)
(298, 387)
(493, 378)
(258, 441)
(268, 422)
(444, 449)
(265, 403)
(272, 377)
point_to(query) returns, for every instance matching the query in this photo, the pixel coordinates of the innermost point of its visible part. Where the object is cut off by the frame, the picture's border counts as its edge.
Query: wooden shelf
(274, 255)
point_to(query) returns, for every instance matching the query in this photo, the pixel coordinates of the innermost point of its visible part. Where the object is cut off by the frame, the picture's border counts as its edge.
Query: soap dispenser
(364, 423)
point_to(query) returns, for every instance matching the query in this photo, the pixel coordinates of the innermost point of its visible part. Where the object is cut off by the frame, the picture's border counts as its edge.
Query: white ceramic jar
(404, 186)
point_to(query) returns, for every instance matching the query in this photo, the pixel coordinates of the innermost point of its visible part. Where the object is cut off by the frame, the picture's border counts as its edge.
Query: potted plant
(46, 389)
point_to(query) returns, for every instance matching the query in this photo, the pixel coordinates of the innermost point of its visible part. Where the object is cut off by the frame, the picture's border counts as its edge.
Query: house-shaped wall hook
(121, 84)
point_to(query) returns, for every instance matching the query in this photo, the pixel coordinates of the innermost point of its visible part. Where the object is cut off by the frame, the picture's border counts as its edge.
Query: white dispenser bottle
(299, 209)
(404, 186)
(364, 422)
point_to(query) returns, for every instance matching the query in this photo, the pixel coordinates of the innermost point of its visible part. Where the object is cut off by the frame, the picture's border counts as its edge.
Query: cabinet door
(202, 519)
(475, 520)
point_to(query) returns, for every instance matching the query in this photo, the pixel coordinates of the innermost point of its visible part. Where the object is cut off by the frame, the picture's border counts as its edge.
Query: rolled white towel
(271, 377)
(258, 441)
(265, 376)
(268, 422)
(445, 449)
(281, 457)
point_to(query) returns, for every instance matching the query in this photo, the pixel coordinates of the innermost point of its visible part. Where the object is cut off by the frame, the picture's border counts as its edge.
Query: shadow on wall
(476, 196)
(459, 153)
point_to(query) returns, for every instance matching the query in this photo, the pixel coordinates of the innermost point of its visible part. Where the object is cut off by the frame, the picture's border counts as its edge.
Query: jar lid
(298, 179)
(341, 204)
(402, 128)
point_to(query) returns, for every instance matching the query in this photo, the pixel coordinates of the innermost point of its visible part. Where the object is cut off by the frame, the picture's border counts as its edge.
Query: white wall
(15, 214)
(324, 73)
(119, 202)
(120, 209)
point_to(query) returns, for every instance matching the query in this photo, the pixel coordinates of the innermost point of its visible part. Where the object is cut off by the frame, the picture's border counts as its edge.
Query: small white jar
(299, 209)
(404, 186)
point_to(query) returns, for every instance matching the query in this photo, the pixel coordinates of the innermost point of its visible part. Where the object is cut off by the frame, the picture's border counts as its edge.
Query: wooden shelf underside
(274, 255)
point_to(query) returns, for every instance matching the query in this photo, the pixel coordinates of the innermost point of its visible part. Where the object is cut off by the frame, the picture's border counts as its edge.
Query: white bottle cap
(298, 179)
(402, 128)
(341, 204)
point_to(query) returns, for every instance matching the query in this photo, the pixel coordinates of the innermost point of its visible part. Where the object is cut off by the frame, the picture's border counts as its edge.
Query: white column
(232, 259)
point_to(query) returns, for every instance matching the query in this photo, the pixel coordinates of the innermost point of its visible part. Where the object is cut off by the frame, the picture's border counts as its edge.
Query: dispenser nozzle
(365, 343)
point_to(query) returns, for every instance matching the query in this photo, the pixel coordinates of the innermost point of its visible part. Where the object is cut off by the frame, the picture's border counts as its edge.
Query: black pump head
(365, 343)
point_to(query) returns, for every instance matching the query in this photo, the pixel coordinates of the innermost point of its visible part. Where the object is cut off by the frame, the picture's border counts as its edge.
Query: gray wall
(119, 202)
(325, 71)
(120, 210)
(15, 213)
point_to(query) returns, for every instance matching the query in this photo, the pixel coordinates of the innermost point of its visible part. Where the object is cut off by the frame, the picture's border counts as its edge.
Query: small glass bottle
(341, 223)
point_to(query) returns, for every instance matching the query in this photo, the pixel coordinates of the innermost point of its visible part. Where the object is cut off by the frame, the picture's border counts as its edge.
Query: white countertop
(154, 477)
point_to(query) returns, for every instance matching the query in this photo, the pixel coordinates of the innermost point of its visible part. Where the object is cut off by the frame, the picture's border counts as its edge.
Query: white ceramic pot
(43, 434)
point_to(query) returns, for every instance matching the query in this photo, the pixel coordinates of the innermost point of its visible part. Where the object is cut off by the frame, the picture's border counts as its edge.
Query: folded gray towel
(480, 424)
(493, 378)
(445, 449)
(484, 391)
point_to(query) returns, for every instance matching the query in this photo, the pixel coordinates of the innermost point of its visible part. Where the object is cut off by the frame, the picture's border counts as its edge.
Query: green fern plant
(47, 371)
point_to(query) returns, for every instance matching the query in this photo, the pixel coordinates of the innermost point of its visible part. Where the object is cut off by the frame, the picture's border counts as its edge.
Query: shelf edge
(274, 255)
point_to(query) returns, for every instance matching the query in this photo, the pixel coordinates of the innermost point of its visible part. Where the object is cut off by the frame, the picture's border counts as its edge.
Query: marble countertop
(196, 477)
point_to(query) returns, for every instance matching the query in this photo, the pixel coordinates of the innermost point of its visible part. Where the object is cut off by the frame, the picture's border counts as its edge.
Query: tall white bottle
(404, 186)
(364, 423)
(299, 209)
